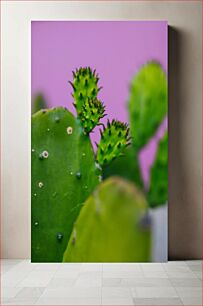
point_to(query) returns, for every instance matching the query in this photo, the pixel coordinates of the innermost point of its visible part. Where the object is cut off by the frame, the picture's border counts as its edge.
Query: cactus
(110, 226)
(125, 166)
(38, 103)
(63, 175)
(92, 112)
(158, 188)
(147, 103)
(85, 89)
(114, 139)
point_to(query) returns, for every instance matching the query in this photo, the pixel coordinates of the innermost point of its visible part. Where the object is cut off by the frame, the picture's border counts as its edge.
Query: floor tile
(122, 274)
(47, 267)
(172, 283)
(134, 267)
(37, 279)
(112, 282)
(178, 274)
(22, 301)
(196, 268)
(150, 292)
(193, 262)
(115, 292)
(193, 301)
(72, 292)
(9, 292)
(155, 274)
(198, 274)
(69, 301)
(89, 279)
(146, 282)
(185, 282)
(157, 301)
(176, 268)
(61, 282)
(152, 267)
(175, 262)
(189, 291)
(117, 301)
(91, 267)
(28, 292)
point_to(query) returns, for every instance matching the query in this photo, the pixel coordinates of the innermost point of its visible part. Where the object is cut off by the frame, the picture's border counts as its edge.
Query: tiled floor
(172, 283)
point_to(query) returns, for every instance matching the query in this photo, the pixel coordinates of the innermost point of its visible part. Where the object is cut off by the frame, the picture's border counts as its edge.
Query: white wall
(185, 64)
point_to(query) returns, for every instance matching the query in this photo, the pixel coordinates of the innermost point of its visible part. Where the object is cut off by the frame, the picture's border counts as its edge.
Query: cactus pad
(109, 227)
(63, 176)
(126, 166)
(147, 102)
(158, 189)
(114, 139)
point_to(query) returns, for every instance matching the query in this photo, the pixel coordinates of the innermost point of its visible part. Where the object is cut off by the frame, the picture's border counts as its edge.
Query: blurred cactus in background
(148, 104)
(158, 188)
(38, 103)
(109, 226)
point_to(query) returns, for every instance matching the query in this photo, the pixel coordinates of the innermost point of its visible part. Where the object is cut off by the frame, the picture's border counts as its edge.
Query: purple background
(116, 49)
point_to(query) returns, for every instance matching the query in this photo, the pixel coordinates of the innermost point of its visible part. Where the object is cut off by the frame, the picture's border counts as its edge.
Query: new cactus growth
(109, 227)
(158, 189)
(85, 86)
(85, 89)
(147, 103)
(92, 112)
(63, 175)
(114, 139)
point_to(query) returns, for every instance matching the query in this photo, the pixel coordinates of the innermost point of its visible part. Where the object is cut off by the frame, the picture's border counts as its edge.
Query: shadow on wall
(183, 207)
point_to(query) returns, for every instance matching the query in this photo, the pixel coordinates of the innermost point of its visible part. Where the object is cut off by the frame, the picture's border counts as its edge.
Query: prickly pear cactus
(114, 139)
(158, 189)
(38, 103)
(147, 103)
(125, 166)
(92, 112)
(63, 175)
(85, 90)
(109, 227)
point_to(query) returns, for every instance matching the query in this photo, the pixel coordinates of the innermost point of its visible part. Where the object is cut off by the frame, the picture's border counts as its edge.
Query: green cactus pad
(38, 103)
(114, 139)
(110, 226)
(92, 112)
(126, 166)
(148, 102)
(158, 189)
(63, 176)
